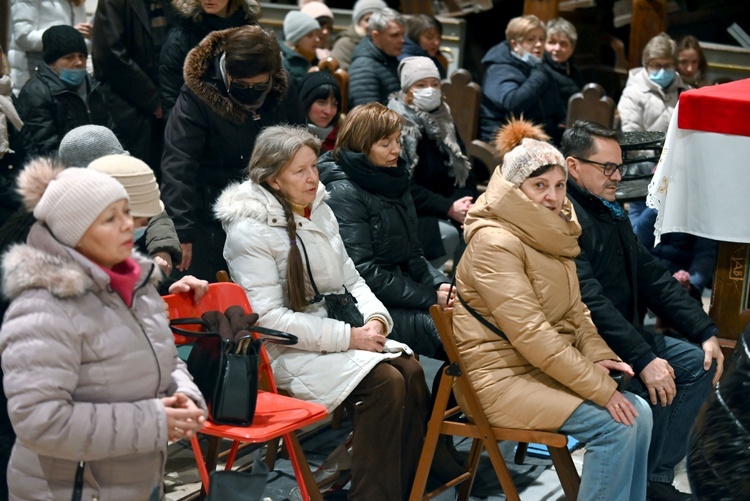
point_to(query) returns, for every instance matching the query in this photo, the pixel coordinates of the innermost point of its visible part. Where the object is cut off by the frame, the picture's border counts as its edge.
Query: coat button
(300, 225)
(323, 352)
(273, 220)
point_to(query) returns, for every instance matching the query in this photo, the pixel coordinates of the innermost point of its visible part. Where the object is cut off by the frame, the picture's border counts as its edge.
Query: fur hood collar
(191, 9)
(45, 263)
(203, 77)
(249, 200)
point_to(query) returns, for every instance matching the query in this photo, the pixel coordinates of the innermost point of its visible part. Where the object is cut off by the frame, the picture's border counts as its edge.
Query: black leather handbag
(225, 366)
(340, 306)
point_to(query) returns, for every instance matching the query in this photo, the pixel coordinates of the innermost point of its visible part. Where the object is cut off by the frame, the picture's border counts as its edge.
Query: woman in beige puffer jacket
(91, 371)
(550, 373)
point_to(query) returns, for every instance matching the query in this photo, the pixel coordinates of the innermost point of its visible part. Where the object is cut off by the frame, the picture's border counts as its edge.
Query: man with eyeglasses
(619, 278)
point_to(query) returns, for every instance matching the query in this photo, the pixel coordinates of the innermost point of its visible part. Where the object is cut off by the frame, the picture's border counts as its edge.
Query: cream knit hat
(69, 200)
(527, 157)
(413, 69)
(362, 7)
(298, 24)
(137, 178)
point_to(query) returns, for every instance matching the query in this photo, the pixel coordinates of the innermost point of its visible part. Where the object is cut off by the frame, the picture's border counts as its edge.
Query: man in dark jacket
(127, 39)
(235, 85)
(373, 74)
(61, 96)
(619, 277)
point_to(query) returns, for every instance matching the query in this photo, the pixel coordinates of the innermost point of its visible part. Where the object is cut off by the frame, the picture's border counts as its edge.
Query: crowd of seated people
(264, 175)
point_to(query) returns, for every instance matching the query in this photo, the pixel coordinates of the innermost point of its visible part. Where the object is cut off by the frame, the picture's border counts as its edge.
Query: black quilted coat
(380, 235)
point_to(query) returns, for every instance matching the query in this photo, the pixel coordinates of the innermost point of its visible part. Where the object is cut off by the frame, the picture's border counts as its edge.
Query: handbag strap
(318, 296)
(476, 314)
(78, 483)
(191, 321)
(271, 335)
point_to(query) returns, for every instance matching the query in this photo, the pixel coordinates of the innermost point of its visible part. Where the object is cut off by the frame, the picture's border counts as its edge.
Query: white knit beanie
(298, 24)
(68, 200)
(413, 69)
(137, 178)
(527, 157)
(362, 7)
(316, 10)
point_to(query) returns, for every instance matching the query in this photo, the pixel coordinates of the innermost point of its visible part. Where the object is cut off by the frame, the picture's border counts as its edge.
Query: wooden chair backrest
(593, 104)
(464, 98)
(331, 65)
(444, 324)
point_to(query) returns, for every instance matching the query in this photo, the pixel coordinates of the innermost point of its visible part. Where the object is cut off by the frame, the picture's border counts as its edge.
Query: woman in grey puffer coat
(92, 375)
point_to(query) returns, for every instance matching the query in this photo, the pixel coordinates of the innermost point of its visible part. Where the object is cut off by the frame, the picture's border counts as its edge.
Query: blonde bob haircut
(519, 27)
(365, 125)
(661, 46)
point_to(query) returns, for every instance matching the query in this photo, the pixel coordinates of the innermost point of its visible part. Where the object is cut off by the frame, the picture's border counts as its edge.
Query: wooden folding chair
(479, 430)
(275, 415)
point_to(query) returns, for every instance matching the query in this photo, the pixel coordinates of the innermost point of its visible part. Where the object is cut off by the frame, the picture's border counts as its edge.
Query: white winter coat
(321, 367)
(28, 21)
(84, 376)
(644, 105)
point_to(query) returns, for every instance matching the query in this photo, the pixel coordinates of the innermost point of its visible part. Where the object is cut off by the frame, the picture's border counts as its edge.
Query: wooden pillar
(730, 298)
(543, 9)
(648, 20)
(5, 16)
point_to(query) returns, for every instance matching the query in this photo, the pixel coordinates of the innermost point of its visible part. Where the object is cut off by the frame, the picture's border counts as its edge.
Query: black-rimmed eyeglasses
(608, 168)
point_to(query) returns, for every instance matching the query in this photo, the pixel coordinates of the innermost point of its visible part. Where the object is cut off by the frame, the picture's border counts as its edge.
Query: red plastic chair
(275, 415)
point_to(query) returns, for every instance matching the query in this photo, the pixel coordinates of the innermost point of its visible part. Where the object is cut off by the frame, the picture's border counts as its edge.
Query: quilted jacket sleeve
(41, 361)
(509, 89)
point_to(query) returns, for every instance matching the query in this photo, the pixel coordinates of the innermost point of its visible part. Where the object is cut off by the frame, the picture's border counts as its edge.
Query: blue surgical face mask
(663, 77)
(138, 233)
(530, 59)
(73, 78)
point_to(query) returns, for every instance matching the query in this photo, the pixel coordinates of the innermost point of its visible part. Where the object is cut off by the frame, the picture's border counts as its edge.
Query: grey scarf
(438, 126)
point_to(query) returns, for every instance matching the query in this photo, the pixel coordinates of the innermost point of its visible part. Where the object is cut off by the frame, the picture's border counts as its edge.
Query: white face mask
(427, 99)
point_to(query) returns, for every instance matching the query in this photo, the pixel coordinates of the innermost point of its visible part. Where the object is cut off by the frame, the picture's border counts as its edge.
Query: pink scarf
(123, 277)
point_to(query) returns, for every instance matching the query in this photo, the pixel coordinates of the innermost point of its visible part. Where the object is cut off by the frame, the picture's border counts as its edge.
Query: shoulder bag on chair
(225, 368)
(340, 306)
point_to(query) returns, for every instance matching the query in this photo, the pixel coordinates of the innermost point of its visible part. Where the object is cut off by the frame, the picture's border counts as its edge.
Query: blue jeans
(614, 467)
(669, 439)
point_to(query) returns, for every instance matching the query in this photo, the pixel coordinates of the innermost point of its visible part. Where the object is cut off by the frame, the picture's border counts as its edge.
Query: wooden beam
(648, 20)
(4, 25)
(543, 9)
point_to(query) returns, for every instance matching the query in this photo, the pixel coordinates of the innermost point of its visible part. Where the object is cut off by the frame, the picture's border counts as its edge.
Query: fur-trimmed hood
(191, 9)
(249, 200)
(45, 263)
(203, 77)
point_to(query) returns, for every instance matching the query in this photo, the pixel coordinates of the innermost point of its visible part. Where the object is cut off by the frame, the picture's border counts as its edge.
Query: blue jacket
(512, 87)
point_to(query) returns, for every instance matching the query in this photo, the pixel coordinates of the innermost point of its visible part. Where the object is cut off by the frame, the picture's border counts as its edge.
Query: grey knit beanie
(137, 178)
(527, 157)
(362, 7)
(69, 200)
(298, 24)
(413, 69)
(86, 143)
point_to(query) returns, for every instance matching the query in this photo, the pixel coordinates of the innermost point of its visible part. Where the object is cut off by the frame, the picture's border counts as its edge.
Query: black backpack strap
(479, 317)
(318, 297)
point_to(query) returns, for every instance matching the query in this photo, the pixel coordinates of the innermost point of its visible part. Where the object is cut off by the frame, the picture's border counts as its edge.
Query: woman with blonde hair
(516, 83)
(534, 356)
(283, 247)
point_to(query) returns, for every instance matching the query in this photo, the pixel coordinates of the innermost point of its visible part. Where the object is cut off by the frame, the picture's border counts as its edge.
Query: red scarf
(123, 277)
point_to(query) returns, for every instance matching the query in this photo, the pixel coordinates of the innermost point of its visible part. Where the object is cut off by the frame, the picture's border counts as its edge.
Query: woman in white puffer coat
(91, 372)
(269, 220)
(28, 20)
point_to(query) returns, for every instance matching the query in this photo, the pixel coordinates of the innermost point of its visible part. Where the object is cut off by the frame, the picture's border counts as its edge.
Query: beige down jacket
(518, 272)
(84, 375)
